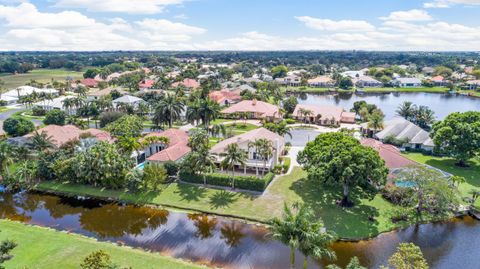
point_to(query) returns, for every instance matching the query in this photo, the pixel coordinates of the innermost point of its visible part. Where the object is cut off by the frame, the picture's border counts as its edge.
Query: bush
(251, 183)
(397, 195)
(286, 164)
(109, 117)
(153, 176)
(290, 121)
(38, 111)
(171, 167)
(3, 103)
(56, 117)
(400, 214)
(18, 126)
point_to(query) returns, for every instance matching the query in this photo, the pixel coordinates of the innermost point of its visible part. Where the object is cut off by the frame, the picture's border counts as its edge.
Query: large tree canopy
(337, 159)
(458, 135)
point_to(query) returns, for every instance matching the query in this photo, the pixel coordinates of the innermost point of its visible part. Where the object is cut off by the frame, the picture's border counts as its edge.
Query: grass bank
(471, 173)
(40, 75)
(419, 89)
(369, 216)
(45, 248)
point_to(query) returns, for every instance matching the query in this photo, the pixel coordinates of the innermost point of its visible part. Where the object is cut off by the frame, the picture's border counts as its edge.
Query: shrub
(134, 179)
(400, 214)
(290, 121)
(3, 103)
(108, 117)
(153, 176)
(55, 116)
(171, 167)
(277, 169)
(18, 126)
(224, 180)
(38, 111)
(286, 164)
(397, 195)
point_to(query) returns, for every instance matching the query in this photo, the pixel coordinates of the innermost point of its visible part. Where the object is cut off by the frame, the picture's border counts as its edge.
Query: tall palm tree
(218, 129)
(26, 171)
(193, 112)
(6, 157)
(286, 230)
(406, 110)
(209, 110)
(129, 144)
(265, 151)
(168, 109)
(41, 141)
(424, 117)
(315, 243)
(375, 120)
(204, 163)
(233, 155)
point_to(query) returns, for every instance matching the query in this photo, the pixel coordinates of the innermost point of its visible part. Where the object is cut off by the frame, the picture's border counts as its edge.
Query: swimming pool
(405, 184)
(140, 166)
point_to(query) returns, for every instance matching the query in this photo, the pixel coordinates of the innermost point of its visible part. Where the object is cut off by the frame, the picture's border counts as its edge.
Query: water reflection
(441, 104)
(227, 243)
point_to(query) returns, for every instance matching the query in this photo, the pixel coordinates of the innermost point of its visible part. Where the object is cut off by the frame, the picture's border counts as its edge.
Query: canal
(224, 242)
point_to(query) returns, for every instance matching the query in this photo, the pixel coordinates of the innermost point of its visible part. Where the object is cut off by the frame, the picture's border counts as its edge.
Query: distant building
(366, 81)
(60, 135)
(321, 82)
(225, 97)
(12, 96)
(56, 103)
(89, 82)
(254, 109)
(128, 100)
(92, 96)
(407, 82)
(354, 74)
(472, 84)
(439, 81)
(291, 80)
(323, 114)
(187, 83)
(146, 84)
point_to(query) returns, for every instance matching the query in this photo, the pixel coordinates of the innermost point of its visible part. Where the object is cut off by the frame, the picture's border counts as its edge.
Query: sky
(103, 25)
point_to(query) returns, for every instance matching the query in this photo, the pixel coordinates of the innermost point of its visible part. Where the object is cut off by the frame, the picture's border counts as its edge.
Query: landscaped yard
(305, 89)
(367, 218)
(45, 248)
(471, 174)
(40, 75)
(420, 89)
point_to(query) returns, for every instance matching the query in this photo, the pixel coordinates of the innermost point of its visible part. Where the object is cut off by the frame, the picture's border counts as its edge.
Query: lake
(225, 242)
(441, 104)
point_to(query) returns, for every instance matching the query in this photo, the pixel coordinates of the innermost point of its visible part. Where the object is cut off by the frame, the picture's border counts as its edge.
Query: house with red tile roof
(187, 83)
(89, 82)
(146, 84)
(254, 109)
(323, 114)
(61, 135)
(176, 148)
(225, 97)
(389, 153)
(438, 81)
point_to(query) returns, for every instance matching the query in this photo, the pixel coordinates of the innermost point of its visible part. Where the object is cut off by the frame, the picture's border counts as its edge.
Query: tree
(18, 126)
(168, 110)
(129, 144)
(203, 162)
(6, 157)
(127, 125)
(408, 256)
(198, 140)
(153, 176)
(432, 193)
(458, 135)
(209, 110)
(6, 247)
(375, 120)
(264, 151)
(25, 173)
(232, 156)
(353, 264)
(345, 83)
(281, 128)
(90, 73)
(109, 117)
(41, 141)
(279, 71)
(338, 159)
(457, 180)
(301, 229)
(56, 117)
(406, 110)
(290, 103)
(424, 117)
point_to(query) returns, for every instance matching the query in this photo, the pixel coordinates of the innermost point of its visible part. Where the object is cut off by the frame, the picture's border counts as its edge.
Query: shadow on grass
(355, 222)
(190, 192)
(222, 199)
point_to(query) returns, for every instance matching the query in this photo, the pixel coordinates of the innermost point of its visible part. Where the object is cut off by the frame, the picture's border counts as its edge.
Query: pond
(228, 243)
(441, 104)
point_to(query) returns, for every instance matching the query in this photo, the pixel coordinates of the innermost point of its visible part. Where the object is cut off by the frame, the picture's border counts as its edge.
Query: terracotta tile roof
(106, 91)
(224, 95)
(438, 79)
(327, 112)
(63, 134)
(321, 79)
(390, 154)
(177, 146)
(146, 84)
(89, 82)
(258, 107)
(188, 82)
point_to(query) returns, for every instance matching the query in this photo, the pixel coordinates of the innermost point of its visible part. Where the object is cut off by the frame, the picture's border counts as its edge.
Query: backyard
(66, 250)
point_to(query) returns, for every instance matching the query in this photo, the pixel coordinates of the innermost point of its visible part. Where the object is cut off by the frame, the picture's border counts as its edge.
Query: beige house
(254, 110)
(321, 82)
(254, 161)
(323, 115)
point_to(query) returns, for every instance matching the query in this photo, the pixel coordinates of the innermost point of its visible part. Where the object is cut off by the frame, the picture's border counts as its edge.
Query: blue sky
(239, 25)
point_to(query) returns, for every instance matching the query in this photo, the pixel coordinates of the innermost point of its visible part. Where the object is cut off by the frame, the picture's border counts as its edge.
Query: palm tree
(315, 243)
(6, 157)
(209, 110)
(375, 120)
(26, 171)
(129, 144)
(265, 151)
(457, 180)
(41, 141)
(218, 129)
(193, 112)
(424, 117)
(305, 113)
(204, 163)
(233, 155)
(168, 109)
(406, 110)
(286, 230)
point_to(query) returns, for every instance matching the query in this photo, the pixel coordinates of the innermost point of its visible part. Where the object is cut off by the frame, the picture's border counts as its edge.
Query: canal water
(441, 104)
(229, 243)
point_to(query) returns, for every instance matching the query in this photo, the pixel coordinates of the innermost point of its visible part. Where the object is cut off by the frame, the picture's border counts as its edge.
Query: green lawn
(471, 174)
(367, 218)
(45, 248)
(421, 89)
(305, 89)
(40, 75)
(4, 109)
(240, 127)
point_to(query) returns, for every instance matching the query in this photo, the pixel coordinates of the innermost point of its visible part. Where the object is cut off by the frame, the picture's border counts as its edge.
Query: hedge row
(251, 183)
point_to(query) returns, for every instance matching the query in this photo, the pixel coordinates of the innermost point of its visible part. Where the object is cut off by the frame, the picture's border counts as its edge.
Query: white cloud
(449, 3)
(331, 25)
(410, 15)
(121, 6)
